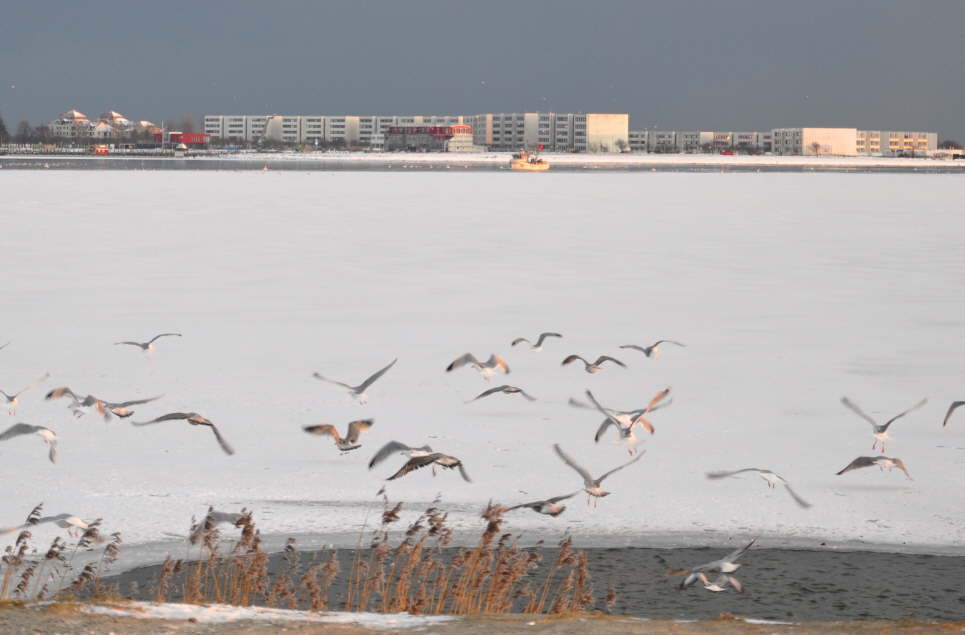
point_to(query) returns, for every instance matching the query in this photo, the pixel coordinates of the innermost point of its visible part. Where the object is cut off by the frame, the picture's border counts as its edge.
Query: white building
(895, 143)
(556, 132)
(816, 141)
(71, 123)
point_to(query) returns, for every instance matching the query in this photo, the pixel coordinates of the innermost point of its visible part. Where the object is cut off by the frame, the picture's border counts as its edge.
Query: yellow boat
(523, 161)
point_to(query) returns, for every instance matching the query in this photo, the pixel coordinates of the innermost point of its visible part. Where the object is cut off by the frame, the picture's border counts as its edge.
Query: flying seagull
(509, 390)
(882, 462)
(12, 399)
(210, 521)
(49, 436)
(194, 419)
(148, 346)
(595, 366)
(359, 391)
(880, 431)
(625, 422)
(590, 485)
(65, 521)
(538, 346)
(105, 408)
(625, 417)
(351, 439)
(433, 459)
(952, 408)
(393, 447)
(770, 477)
(4, 346)
(727, 564)
(495, 364)
(550, 506)
(653, 350)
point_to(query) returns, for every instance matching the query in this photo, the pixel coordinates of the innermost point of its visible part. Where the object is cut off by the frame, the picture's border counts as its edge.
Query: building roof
(76, 115)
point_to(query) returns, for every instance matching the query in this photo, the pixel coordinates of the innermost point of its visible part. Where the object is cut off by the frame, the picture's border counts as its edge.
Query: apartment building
(556, 132)
(894, 142)
(816, 141)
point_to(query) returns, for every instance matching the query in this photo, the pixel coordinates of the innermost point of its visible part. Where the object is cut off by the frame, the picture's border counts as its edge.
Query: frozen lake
(790, 290)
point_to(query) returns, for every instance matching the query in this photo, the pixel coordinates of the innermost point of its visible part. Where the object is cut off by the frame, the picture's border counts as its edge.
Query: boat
(524, 161)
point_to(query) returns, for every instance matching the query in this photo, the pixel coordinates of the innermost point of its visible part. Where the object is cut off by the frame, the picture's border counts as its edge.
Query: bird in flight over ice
(194, 419)
(592, 486)
(359, 391)
(770, 477)
(595, 366)
(538, 346)
(880, 431)
(952, 408)
(12, 399)
(351, 439)
(148, 346)
(495, 364)
(49, 436)
(654, 349)
(433, 459)
(883, 462)
(505, 388)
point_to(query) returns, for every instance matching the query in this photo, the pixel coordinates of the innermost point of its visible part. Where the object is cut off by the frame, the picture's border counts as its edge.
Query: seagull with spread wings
(653, 350)
(71, 523)
(538, 346)
(12, 399)
(727, 564)
(394, 447)
(194, 419)
(769, 477)
(433, 459)
(595, 366)
(880, 431)
(351, 439)
(592, 485)
(549, 507)
(495, 364)
(148, 346)
(49, 436)
(505, 388)
(359, 391)
(883, 462)
(78, 406)
(625, 422)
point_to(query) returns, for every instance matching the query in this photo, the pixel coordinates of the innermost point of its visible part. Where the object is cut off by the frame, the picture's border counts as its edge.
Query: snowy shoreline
(483, 161)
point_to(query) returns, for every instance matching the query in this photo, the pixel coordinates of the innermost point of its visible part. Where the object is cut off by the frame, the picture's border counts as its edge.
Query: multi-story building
(556, 132)
(894, 143)
(816, 141)
(71, 123)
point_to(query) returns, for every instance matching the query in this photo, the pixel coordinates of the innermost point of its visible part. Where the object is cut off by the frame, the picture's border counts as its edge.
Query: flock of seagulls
(626, 423)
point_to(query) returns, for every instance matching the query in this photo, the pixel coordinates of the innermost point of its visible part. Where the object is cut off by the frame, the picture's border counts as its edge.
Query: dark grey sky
(728, 65)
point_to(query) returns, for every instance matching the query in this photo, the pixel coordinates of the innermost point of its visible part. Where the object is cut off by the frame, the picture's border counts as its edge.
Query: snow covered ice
(790, 290)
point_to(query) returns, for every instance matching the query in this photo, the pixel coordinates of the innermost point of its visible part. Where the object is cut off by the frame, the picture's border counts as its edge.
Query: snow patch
(221, 613)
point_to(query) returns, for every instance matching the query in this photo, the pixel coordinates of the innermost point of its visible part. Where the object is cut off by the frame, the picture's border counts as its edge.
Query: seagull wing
(635, 347)
(18, 429)
(855, 409)
(858, 463)
(543, 336)
(486, 393)
(723, 474)
(129, 343)
(371, 380)
(414, 463)
(572, 358)
(152, 340)
(60, 391)
(528, 396)
(387, 450)
(355, 429)
(136, 402)
(660, 396)
(52, 455)
(557, 499)
(587, 479)
(36, 381)
(620, 467)
(576, 403)
(797, 499)
(459, 362)
(603, 427)
(899, 416)
(607, 358)
(955, 405)
(332, 381)
(221, 440)
(659, 342)
(520, 340)
(495, 361)
(325, 429)
(171, 416)
(462, 472)
(737, 553)
(606, 413)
